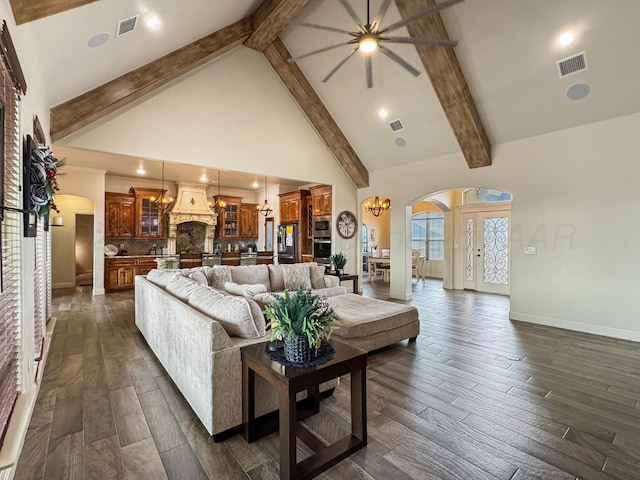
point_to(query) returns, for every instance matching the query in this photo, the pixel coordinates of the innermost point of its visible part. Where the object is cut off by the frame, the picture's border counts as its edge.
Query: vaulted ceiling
(499, 84)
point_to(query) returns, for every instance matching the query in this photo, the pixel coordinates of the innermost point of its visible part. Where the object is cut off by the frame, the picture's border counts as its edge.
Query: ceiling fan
(371, 36)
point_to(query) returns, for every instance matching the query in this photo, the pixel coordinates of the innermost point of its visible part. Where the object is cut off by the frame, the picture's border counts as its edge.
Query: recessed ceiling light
(152, 22)
(98, 40)
(203, 178)
(255, 184)
(400, 142)
(141, 171)
(565, 39)
(382, 113)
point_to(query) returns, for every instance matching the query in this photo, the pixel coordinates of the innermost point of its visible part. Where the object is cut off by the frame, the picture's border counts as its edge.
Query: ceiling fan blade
(325, 49)
(351, 12)
(383, 11)
(435, 42)
(337, 67)
(418, 16)
(399, 60)
(324, 27)
(369, 70)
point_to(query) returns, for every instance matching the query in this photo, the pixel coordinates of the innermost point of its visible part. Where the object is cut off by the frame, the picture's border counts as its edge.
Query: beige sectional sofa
(196, 327)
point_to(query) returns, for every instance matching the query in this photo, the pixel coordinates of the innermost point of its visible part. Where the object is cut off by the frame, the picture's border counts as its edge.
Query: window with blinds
(38, 291)
(10, 264)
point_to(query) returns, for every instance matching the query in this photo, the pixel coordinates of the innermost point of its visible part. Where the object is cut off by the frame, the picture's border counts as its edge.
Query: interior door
(487, 251)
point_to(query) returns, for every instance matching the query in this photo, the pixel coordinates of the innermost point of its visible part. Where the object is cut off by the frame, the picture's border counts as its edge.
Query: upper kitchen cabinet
(228, 225)
(321, 199)
(249, 220)
(120, 214)
(149, 217)
(292, 205)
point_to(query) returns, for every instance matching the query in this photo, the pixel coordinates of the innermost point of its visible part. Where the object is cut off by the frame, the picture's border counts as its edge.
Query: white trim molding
(576, 326)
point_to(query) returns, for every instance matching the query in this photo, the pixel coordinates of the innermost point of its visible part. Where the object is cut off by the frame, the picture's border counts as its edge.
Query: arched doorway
(72, 243)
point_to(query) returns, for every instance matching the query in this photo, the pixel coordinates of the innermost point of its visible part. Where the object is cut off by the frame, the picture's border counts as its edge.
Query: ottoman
(370, 324)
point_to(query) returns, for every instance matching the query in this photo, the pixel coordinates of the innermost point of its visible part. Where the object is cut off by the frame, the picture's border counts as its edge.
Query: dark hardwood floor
(476, 397)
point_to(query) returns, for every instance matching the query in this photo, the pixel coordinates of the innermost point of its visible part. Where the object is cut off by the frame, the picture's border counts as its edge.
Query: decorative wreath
(44, 183)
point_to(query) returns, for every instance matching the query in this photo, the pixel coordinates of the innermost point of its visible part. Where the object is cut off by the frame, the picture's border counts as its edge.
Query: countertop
(143, 256)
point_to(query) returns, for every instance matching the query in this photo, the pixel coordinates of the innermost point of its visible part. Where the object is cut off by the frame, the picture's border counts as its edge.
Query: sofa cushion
(218, 275)
(263, 299)
(251, 274)
(162, 277)
(295, 276)
(182, 287)
(237, 315)
(316, 273)
(276, 277)
(245, 290)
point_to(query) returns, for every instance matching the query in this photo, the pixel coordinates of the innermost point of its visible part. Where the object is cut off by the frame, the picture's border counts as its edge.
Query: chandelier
(162, 203)
(265, 209)
(378, 207)
(220, 204)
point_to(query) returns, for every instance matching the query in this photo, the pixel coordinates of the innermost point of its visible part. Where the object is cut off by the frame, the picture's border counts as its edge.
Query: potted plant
(301, 320)
(338, 261)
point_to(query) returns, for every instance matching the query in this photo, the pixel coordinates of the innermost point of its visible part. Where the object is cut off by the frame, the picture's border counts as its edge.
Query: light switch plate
(530, 250)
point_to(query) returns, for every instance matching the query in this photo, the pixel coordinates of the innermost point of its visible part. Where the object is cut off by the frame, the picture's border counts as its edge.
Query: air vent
(127, 25)
(573, 64)
(396, 125)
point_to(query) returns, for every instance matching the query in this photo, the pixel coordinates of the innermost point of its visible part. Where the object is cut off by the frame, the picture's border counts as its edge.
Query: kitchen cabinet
(321, 199)
(292, 207)
(249, 220)
(119, 215)
(120, 272)
(149, 218)
(228, 225)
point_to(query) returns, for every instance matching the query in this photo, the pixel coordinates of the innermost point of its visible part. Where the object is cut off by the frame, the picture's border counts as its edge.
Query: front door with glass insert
(487, 251)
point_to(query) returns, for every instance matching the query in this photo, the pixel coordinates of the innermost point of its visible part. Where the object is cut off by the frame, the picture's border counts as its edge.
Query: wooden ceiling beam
(449, 83)
(80, 111)
(270, 19)
(308, 100)
(25, 11)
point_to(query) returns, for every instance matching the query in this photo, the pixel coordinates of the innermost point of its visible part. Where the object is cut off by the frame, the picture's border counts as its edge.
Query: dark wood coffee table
(288, 381)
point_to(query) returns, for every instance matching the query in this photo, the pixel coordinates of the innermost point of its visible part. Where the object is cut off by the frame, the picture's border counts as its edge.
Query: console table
(288, 381)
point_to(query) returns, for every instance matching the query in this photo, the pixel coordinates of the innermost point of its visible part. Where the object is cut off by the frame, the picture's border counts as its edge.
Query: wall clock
(346, 224)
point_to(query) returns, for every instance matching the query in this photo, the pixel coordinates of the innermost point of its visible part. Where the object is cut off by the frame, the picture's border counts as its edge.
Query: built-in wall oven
(322, 226)
(321, 250)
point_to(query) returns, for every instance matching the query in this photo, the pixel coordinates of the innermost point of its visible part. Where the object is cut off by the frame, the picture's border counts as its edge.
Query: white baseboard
(576, 326)
(63, 285)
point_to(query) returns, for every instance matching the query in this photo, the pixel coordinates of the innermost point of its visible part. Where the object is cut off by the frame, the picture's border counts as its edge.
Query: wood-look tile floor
(476, 397)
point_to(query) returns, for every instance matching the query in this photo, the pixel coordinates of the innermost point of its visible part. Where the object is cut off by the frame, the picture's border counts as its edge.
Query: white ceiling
(507, 50)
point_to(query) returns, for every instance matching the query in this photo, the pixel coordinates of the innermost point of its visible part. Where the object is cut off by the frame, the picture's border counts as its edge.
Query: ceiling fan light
(368, 44)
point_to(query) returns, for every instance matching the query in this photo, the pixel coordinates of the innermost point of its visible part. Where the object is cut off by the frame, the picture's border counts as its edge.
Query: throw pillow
(235, 314)
(218, 275)
(199, 277)
(295, 276)
(245, 290)
(182, 287)
(161, 277)
(316, 272)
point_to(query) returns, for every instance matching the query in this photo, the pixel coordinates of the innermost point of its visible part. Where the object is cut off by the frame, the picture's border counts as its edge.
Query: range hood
(191, 206)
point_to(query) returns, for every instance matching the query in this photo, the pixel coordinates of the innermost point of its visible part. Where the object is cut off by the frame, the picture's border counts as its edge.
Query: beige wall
(585, 269)
(63, 255)
(379, 224)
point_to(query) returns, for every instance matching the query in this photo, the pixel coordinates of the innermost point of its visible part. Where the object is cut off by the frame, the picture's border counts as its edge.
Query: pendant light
(219, 206)
(265, 209)
(162, 203)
